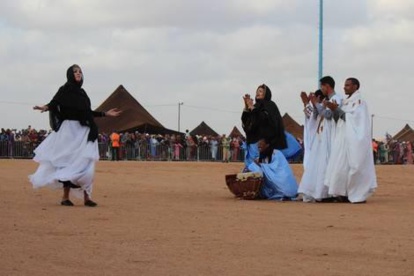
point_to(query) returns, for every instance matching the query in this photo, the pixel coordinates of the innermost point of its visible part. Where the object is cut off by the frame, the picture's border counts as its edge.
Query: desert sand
(178, 218)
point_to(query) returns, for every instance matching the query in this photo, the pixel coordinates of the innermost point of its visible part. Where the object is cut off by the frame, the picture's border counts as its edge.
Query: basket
(245, 185)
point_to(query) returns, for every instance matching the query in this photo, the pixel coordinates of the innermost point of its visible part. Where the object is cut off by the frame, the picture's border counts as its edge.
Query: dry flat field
(167, 218)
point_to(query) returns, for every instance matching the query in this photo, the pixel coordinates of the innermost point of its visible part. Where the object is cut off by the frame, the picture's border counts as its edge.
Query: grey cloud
(207, 54)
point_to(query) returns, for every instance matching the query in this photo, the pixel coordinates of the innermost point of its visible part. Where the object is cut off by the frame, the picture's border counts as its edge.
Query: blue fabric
(293, 148)
(251, 153)
(279, 181)
(252, 150)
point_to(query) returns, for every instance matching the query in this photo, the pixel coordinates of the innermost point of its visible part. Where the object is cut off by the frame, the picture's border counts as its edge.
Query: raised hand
(313, 99)
(304, 97)
(246, 98)
(249, 103)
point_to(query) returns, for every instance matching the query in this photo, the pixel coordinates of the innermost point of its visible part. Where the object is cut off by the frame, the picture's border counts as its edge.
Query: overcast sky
(206, 54)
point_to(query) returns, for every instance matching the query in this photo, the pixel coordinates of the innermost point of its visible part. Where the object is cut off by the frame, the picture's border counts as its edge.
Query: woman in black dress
(261, 120)
(68, 155)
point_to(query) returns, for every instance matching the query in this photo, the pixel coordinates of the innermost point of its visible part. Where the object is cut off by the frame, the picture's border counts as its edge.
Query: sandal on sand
(327, 200)
(66, 202)
(90, 203)
(342, 199)
(285, 198)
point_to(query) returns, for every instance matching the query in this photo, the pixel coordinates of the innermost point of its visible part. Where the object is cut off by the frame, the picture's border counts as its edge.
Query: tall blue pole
(320, 69)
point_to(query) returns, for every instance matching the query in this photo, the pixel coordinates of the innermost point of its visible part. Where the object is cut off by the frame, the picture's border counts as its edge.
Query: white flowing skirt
(66, 155)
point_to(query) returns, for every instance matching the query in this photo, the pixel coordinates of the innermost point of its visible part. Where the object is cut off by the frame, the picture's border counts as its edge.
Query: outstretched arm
(114, 112)
(42, 108)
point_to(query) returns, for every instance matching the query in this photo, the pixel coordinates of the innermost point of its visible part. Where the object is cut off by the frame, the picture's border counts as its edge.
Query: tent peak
(203, 129)
(133, 116)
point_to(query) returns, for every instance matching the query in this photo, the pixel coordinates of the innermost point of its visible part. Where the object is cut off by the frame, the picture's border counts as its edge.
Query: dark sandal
(342, 199)
(327, 200)
(285, 198)
(90, 203)
(66, 202)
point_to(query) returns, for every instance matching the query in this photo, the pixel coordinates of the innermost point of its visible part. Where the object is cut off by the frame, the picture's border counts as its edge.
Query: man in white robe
(318, 136)
(351, 171)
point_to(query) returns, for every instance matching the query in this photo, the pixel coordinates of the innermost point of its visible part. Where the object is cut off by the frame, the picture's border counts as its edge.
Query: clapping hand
(325, 103)
(304, 97)
(332, 105)
(313, 99)
(248, 101)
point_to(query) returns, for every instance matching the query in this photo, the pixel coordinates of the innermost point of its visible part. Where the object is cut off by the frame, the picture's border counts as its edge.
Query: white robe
(309, 134)
(351, 170)
(66, 155)
(319, 133)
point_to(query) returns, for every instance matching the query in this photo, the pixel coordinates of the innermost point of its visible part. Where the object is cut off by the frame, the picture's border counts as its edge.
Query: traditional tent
(134, 116)
(236, 132)
(405, 134)
(203, 130)
(292, 126)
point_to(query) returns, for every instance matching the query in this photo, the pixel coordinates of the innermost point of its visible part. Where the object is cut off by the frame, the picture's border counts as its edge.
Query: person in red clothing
(115, 145)
(375, 150)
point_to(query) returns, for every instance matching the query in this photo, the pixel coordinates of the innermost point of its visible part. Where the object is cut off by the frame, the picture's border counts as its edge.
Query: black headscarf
(72, 103)
(268, 153)
(264, 121)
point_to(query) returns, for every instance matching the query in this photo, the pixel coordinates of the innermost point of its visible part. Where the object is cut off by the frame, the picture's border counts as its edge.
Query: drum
(245, 185)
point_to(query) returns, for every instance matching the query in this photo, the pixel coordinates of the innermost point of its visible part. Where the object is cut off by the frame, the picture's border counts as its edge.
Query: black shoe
(66, 202)
(342, 199)
(90, 203)
(335, 199)
(327, 200)
(285, 198)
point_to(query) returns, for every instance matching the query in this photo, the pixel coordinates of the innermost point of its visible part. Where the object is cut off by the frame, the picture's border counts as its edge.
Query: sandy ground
(166, 218)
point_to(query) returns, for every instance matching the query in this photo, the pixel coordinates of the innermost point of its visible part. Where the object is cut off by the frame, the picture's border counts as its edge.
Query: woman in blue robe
(279, 181)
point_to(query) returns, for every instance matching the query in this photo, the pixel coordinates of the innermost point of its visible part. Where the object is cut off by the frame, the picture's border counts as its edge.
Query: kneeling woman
(279, 181)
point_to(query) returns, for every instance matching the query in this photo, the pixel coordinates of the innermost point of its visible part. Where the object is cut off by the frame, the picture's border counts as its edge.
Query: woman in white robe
(68, 155)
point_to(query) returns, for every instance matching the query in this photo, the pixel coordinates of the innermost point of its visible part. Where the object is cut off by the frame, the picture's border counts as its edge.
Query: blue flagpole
(320, 63)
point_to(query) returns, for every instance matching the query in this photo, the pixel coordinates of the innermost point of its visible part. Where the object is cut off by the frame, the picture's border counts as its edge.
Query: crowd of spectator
(144, 146)
(134, 146)
(392, 152)
(176, 147)
(20, 143)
